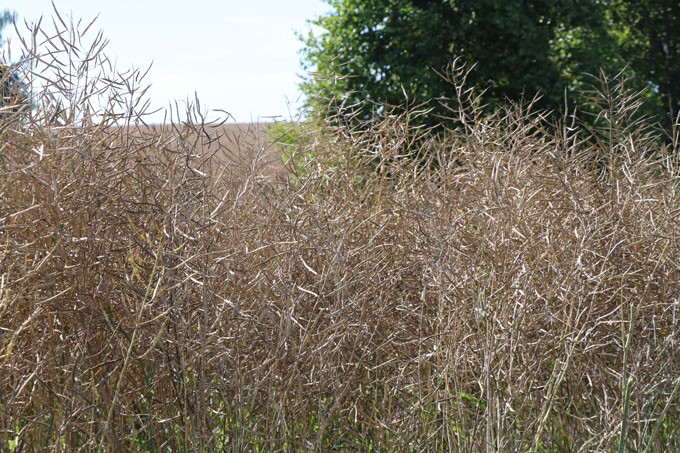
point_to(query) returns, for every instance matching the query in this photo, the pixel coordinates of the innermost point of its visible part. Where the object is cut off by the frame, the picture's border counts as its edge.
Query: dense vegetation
(375, 52)
(521, 294)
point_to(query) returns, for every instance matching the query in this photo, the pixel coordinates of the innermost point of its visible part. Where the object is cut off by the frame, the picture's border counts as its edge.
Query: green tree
(12, 90)
(376, 50)
(380, 50)
(649, 37)
(6, 17)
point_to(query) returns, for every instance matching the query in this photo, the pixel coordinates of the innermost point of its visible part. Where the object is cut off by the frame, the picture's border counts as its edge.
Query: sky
(235, 55)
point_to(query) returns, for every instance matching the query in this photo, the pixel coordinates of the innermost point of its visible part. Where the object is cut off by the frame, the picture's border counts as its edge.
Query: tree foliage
(13, 96)
(390, 50)
(12, 90)
(6, 17)
(649, 36)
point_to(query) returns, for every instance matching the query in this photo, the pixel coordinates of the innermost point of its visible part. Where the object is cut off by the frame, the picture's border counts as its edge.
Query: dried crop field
(506, 284)
(229, 146)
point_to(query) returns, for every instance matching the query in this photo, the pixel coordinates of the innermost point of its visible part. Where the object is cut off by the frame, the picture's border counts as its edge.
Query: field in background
(231, 144)
(508, 284)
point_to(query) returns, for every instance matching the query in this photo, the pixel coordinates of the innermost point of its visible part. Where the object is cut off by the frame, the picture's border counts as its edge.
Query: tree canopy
(648, 32)
(380, 50)
(12, 90)
(6, 17)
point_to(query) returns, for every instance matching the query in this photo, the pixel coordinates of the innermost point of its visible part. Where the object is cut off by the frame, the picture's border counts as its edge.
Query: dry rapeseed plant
(518, 292)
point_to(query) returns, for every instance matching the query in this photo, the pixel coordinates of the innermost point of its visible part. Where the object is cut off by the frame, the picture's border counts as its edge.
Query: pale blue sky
(239, 56)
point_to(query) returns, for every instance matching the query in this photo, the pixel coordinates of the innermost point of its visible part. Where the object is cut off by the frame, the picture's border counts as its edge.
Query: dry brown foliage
(517, 291)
